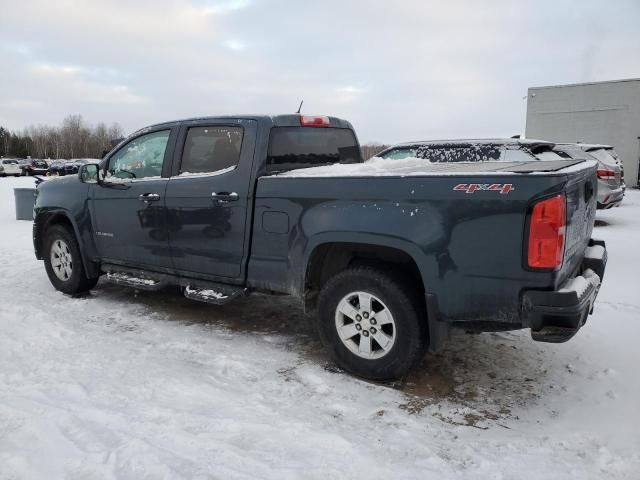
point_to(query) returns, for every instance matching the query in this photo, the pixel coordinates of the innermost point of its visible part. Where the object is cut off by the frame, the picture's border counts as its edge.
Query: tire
(405, 335)
(68, 275)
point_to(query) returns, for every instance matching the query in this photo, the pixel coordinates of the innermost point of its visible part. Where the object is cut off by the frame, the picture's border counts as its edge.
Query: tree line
(76, 139)
(73, 139)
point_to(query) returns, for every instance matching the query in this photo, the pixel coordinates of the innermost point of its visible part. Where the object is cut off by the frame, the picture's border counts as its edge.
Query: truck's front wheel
(372, 322)
(63, 262)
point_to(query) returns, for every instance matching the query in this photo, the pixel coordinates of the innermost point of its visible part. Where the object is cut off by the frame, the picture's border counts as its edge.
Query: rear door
(208, 198)
(129, 205)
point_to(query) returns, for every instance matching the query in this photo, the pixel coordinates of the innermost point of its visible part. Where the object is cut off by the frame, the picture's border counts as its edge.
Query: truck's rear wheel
(63, 262)
(372, 323)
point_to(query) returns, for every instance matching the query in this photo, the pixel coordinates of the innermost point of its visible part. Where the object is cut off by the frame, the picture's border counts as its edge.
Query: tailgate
(581, 194)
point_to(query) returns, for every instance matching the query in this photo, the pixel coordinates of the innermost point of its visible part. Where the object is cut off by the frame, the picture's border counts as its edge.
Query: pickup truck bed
(389, 254)
(470, 244)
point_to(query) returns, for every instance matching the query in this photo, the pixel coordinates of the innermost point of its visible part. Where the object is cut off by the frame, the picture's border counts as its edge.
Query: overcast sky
(398, 70)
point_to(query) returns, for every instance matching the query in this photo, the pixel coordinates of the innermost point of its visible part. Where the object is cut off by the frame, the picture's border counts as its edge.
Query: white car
(10, 167)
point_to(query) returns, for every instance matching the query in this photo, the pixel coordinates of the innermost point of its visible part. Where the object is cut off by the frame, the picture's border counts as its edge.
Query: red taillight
(606, 174)
(314, 121)
(546, 233)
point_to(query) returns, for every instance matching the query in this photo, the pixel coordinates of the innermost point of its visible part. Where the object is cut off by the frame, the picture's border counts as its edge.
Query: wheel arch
(328, 255)
(47, 219)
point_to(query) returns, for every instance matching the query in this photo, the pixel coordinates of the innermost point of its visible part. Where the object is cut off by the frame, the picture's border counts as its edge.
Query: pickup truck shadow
(483, 379)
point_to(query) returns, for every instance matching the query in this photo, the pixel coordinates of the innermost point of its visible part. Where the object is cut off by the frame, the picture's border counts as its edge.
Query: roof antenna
(300, 107)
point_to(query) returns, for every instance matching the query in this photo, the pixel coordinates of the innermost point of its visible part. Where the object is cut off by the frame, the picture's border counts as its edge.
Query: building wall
(602, 112)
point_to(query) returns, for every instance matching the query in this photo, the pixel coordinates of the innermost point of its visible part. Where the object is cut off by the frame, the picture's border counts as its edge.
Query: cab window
(212, 149)
(142, 157)
(303, 147)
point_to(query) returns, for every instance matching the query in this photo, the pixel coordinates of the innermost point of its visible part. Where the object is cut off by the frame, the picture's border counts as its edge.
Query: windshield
(462, 153)
(10, 162)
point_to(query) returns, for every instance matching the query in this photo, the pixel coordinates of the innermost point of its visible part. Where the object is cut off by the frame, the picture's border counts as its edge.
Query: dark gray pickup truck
(389, 253)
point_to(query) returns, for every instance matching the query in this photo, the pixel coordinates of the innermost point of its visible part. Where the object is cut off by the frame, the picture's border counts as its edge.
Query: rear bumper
(557, 316)
(611, 198)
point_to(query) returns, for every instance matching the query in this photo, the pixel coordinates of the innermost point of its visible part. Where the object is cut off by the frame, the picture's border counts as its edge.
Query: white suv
(10, 167)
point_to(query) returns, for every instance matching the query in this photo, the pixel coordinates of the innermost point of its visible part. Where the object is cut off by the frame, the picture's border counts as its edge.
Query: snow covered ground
(154, 386)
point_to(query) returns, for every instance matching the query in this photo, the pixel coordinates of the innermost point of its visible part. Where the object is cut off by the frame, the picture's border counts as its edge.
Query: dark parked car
(56, 167)
(35, 167)
(388, 255)
(67, 167)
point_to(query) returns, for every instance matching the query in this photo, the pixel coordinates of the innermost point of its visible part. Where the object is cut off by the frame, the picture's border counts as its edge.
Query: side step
(200, 290)
(217, 294)
(138, 282)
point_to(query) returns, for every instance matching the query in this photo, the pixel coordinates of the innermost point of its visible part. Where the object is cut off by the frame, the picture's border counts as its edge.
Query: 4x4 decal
(503, 188)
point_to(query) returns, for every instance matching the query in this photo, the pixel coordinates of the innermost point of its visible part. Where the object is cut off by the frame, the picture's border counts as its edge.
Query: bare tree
(371, 149)
(74, 139)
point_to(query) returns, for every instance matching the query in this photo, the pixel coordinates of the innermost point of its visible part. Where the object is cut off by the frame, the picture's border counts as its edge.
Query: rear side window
(454, 154)
(211, 149)
(604, 156)
(302, 147)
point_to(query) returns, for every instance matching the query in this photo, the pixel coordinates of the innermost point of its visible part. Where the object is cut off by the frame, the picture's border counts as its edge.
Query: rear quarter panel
(468, 246)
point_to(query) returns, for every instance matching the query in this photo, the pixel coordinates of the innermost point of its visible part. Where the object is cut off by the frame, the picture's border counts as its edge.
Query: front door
(129, 212)
(207, 198)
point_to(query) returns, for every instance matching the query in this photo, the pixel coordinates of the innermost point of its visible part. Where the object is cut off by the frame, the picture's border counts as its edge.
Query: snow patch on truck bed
(415, 167)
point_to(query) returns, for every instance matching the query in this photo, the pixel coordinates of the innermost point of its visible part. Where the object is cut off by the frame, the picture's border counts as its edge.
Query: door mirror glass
(89, 173)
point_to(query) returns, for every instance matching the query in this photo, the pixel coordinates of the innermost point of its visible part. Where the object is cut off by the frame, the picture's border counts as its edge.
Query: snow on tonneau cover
(494, 158)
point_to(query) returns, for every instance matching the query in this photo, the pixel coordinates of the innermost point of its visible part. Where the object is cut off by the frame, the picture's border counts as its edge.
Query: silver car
(611, 185)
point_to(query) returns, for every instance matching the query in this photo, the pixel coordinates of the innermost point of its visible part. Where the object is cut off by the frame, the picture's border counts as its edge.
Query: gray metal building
(598, 112)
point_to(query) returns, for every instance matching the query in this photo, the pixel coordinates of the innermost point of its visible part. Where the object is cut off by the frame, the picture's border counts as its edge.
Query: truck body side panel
(467, 246)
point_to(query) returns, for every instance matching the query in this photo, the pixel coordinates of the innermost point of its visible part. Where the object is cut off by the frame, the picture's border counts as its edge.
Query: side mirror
(89, 173)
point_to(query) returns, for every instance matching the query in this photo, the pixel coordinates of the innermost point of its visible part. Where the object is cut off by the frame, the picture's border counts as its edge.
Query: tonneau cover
(421, 167)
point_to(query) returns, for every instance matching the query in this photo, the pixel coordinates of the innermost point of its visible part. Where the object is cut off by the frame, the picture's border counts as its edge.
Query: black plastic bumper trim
(556, 316)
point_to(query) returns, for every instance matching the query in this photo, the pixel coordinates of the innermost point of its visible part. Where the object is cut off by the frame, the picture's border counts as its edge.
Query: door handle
(149, 197)
(224, 197)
